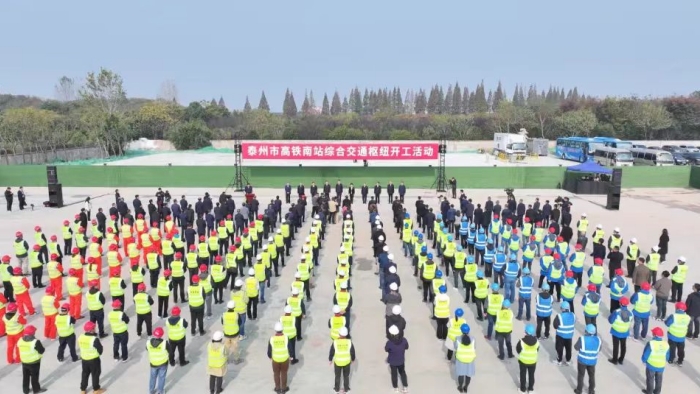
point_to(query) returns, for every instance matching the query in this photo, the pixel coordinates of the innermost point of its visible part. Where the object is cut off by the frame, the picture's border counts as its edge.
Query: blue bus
(579, 149)
(614, 142)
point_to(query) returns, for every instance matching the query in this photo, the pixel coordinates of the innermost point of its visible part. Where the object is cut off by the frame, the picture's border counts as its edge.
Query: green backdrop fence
(414, 177)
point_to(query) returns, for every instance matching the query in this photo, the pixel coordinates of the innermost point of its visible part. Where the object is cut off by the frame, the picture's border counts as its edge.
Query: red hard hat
(37, 228)
(551, 230)
(495, 216)
(560, 238)
(178, 255)
(222, 223)
(229, 216)
(126, 220)
(93, 221)
(54, 238)
(509, 221)
(94, 283)
(260, 216)
(72, 272)
(680, 306)
(65, 306)
(77, 216)
(29, 330)
(114, 272)
(139, 216)
(569, 274)
(548, 250)
(556, 256)
(6, 258)
(646, 286)
(167, 272)
(515, 231)
(158, 332)
(154, 224)
(75, 251)
(232, 248)
(81, 230)
(65, 222)
(93, 239)
(109, 230)
(168, 236)
(245, 231)
(175, 311)
(201, 238)
(116, 304)
(217, 259)
(36, 247)
(18, 234)
(598, 261)
(111, 216)
(11, 307)
(624, 301)
(238, 239)
(202, 268)
(53, 256)
(89, 326)
(113, 247)
(592, 287)
(657, 332)
(142, 287)
(578, 246)
(527, 220)
(168, 217)
(195, 279)
(17, 271)
(619, 271)
(213, 233)
(91, 260)
(193, 247)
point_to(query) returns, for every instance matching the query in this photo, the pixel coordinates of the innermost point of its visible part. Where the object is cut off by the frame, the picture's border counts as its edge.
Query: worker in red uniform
(55, 271)
(3, 309)
(114, 258)
(140, 227)
(14, 325)
(76, 263)
(75, 294)
(155, 235)
(95, 252)
(127, 234)
(20, 286)
(49, 308)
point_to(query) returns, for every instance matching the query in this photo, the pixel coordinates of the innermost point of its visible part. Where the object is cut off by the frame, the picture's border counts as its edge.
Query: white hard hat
(617, 229)
(288, 309)
(303, 256)
(295, 291)
(347, 216)
(396, 309)
(278, 327)
(344, 285)
(343, 331)
(393, 330)
(633, 240)
(231, 304)
(377, 218)
(342, 248)
(583, 215)
(377, 221)
(305, 248)
(313, 230)
(297, 274)
(308, 239)
(336, 309)
(238, 283)
(270, 239)
(341, 272)
(251, 272)
(599, 226)
(390, 256)
(279, 231)
(393, 286)
(317, 216)
(381, 238)
(655, 248)
(218, 336)
(392, 269)
(682, 258)
(264, 246)
(379, 227)
(258, 257)
(386, 248)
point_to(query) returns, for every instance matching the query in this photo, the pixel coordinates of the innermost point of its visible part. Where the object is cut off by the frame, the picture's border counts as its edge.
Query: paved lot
(643, 214)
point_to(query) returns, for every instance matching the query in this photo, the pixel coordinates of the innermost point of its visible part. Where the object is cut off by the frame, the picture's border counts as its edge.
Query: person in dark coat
(313, 189)
(469, 211)
(663, 244)
(520, 212)
(176, 212)
(351, 192)
(453, 186)
(420, 211)
(692, 304)
(567, 233)
(390, 191)
(210, 222)
(136, 203)
(248, 189)
(101, 220)
(377, 192)
(497, 208)
(428, 222)
(478, 215)
(364, 191)
(183, 203)
(339, 191)
(207, 203)
(300, 190)
(546, 213)
(287, 193)
(199, 207)
(599, 250)
(190, 235)
(201, 226)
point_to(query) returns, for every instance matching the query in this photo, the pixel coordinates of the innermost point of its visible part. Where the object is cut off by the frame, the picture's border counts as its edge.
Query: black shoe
(41, 390)
(295, 361)
(612, 361)
(182, 364)
(172, 363)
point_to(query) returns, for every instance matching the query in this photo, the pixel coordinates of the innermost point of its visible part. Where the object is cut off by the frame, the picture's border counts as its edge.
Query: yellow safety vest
(12, 325)
(679, 328)
(280, 352)
(342, 356)
(48, 306)
(654, 260)
(176, 331)
(504, 321)
(34, 260)
(429, 271)
(196, 299)
(442, 306)
(116, 322)
(73, 288)
(136, 275)
(455, 328)
(177, 268)
(86, 344)
(202, 250)
(295, 303)
(27, 351)
(93, 301)
(643, 304)
(288, 325)
(142, 305)
(337, 322)
(64, 326)
(633, 252)
(231, 327)
(528, 355)
(115, 287)
(217, 356)
(681, 272)
(239, 300)
(583, 225)
(657, 358)
(482, 289)
(251, 286)
(17, 286)
(163, 288)
(465, 353)
(157, 355)
(52, 267)
(495, 303)
(343, 299)
(65, 230)
(152, 261)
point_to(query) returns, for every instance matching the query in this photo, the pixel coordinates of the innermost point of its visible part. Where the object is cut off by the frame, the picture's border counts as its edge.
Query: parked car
(692, 157)
(673, 149)
(679, 160)
(638, 146)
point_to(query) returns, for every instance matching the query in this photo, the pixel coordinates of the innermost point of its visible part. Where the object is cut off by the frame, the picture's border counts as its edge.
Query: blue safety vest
(590, 347)
(567, 320)
(525, 290)
(499, 262)
(480, 243)
(544, 306)
(464, 228)
(512, 271)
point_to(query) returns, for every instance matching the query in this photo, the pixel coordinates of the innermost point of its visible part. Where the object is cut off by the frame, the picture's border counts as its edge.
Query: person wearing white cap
(296, 302)
(298, 283)
(632, 255)
(392, 298)
(252, 289)
(230, 322)
(678, 275)
(240, 298)
(343, 298)
(290, 330)
(395, 319)
(336, 322)
(217, 362)
(653, 260)
(582, 225)
(278, 352)
(315, 244)
(341, 276)
(615, 239)
(304, 269)
(341, 355)
(391, 277)
(396, 346)
(598, 234)
(382, 265)
(260, 271)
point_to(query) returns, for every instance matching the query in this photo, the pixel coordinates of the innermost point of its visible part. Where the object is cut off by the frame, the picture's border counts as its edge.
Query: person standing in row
(527, 349)
(341, 355)
(588, 347)
(396, 347)
(465, 354)
(278, 352)
(30, 352)
(65, 327)
(217, 362)
(621, 321)
(655, 356)
(90, 352)
(119, 322)
(158, 357)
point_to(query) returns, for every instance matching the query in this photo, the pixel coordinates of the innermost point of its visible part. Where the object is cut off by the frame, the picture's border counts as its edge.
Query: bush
(190, 135)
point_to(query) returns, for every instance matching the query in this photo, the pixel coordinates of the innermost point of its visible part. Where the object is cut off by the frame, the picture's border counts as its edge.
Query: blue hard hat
(465, 328)
(526, 271)
(530, 329)
(439, 216)
(545, 287)
(420, 236)
(481, 231)
(495, 287)
(506, 303)
(450, 238)
(406, 215)
(479, 273)
(500, 248)
(459, 312)
(590, 329)
(415, 232)
(405, 225)
(444, 229)
(489, 241)
(460, 248)
(565, 305)
(472, 225)
(423, 249)
(464, 218)
(438, 274)
(470, 259)
(443, 289)
(513, 257)
(430, 256)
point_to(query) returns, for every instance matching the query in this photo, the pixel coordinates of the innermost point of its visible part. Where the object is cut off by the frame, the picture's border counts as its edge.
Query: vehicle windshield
(623, 145)
(592, 146)
(518, 146)
(623, 156)
(664, 157)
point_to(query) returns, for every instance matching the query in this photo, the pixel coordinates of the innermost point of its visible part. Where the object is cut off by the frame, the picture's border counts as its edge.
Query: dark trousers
(297, 324)
(163, 306)
(252, 308)
(8, 291)
(67, 246)
(215, 383)
(121, 342)
(197, 319)
(676, 291)
(180, 347)
(37, 274)
(218, 292)
(30, 373)
(527, 377)
(619, 349)
(179, 285)
(91, 368)
(562, 344)
(98, 317)
(69, 342)
(546, 321)
(693, 327)
(582, 369)
(396, 371)
(231, 275)
(146, 318)
(673, 346)
(654, 381)
(345, 372)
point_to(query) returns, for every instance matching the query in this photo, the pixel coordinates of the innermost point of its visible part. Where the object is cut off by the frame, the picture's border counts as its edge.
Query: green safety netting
(138, 153)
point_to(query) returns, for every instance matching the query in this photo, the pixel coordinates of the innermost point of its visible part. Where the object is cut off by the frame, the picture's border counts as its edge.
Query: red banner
(339, 151)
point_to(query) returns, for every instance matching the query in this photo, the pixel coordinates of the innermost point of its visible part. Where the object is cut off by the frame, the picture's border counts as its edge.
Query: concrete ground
(191, 158)
(642, 215)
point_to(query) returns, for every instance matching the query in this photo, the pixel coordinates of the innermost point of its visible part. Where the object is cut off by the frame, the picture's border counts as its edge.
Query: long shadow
(136, 351)
(59, 372)
(692, 373)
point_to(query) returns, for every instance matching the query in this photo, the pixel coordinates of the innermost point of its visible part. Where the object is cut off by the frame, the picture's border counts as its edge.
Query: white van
(613, 157)
(651, 157)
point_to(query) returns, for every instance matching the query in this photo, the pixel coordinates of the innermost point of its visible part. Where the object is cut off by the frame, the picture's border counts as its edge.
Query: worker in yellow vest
(336, 322)
(441, 311)
(143, 302)
(90, 351)
(168, 250)
(49, 308)
(95, 252)
(527, 349)
(678, 276)
(54, 248)
(454, 331)
(177, 270)
(231, 266)
(81, 242)
(231, 328)
(288, 321)
(278, 352)
(67, 234)
(177, 336)
(14, 325)
(218, 275)
(137, 274)
(240, 298)
(296, 302)
(119, 322)
(217, 362)
(65, 327)
(30, 352)
(116, 286)
(96, 302)
(6, 272)
(632, 255)
(503, 328)
(20, 288)
(655, 357)
(252, 285)
(653, 260)
(163, 289)
(213, 245)
(153, 263)
(158, 350)
(465, 354)
(341, 355)
(343, 298)
(36, 265)
(196, 302)
(206, 283)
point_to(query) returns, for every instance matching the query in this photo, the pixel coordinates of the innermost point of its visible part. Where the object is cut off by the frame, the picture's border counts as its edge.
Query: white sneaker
(522, 392)
(530, 392)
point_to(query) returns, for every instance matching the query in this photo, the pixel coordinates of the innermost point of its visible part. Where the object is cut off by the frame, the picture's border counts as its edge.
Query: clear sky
(233, 48)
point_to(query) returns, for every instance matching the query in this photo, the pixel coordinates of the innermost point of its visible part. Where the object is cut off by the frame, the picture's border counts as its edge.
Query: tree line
(99, 113)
